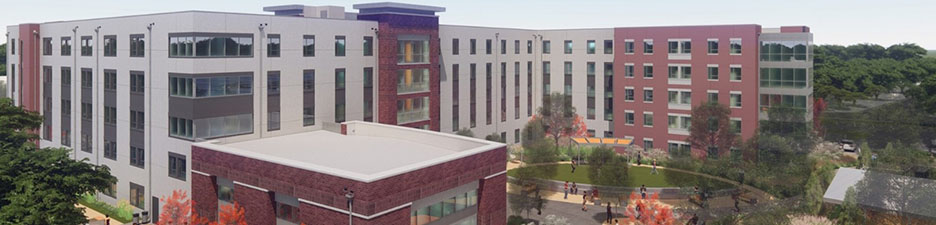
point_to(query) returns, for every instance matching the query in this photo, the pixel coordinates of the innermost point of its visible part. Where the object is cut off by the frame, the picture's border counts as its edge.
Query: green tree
(710, 128)
(41, 186)
(849, 213)
(604, 166)
(465, 132)
(525, 192)
(905, 51)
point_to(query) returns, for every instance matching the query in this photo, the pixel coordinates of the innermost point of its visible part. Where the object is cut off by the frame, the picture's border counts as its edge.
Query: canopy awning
(603, 141)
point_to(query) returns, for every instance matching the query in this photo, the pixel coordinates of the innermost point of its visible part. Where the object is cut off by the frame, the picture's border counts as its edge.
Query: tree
(232, 214)
(177, 210)
(788, 122)
(526, 189)
(711, 128)
(606, 167)
(41, 186)
(848, 213)
(905, 51)
(648, 211)
(465, 132)
(559, 117)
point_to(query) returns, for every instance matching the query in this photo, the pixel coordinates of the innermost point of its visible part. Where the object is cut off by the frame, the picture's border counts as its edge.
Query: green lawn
(636, 176)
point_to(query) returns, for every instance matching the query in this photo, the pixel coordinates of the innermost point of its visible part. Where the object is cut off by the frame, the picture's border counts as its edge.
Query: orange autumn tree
(650, 210)
(177, 210)
(231, 215)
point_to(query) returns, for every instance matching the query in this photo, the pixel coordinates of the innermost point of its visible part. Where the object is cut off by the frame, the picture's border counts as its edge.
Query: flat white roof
(369, 151)
(890, 192)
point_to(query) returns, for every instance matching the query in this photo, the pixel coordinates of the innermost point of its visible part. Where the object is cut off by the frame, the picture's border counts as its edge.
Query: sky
(840, 22)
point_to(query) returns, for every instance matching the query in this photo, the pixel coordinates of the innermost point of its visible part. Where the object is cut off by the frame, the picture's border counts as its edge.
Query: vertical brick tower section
(390, 27)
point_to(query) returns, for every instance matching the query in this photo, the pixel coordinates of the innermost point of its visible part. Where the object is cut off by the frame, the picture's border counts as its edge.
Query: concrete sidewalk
(95, 217)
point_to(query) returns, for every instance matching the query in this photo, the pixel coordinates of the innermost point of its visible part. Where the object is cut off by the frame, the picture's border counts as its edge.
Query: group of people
(566, 189)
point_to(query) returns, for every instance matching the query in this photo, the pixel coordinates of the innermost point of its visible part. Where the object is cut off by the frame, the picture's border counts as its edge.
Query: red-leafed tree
(710, 127)
(819, 106)
(649, 210)
(231, 215)
(177, 210)
(560, 119)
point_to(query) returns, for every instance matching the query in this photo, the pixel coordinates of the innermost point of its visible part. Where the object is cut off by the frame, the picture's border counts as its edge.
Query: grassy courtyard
(635, 177)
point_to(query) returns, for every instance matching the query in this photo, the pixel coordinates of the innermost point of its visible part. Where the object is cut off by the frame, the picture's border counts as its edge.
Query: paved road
(573, 212)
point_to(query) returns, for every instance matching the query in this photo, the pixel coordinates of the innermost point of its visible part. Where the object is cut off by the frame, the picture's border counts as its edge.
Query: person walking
(106, 219)
(654, 171)
(565, 189)
(638, 159)
(609, 213)
(585, 202)
(573, 166)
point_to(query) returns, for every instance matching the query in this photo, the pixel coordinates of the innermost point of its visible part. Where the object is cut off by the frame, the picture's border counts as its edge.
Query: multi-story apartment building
(135, 92)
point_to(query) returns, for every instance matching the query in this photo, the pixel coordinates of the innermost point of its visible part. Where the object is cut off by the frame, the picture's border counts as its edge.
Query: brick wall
(492, 201)
(258, 205)
(205, 196)
(371, 198)
(390, 26)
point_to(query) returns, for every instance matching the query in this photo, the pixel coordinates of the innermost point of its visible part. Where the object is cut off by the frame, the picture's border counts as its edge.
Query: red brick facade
(370, 198)
(390, 26)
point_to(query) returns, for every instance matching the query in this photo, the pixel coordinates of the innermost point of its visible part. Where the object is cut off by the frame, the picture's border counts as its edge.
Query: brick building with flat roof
(398, 176)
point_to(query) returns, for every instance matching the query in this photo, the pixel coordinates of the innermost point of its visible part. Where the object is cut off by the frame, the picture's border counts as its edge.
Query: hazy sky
(832, 21)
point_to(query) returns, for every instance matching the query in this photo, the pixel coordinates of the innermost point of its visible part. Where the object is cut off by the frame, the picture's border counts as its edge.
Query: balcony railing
(404, 117)
(412, 87)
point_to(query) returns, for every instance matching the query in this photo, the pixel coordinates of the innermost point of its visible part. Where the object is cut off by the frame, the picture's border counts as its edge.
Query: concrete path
(573, 212)
(95, 217)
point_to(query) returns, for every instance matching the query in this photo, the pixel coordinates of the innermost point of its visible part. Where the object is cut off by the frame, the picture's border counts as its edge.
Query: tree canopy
(710, 128)
(41, 186)
(849, 73)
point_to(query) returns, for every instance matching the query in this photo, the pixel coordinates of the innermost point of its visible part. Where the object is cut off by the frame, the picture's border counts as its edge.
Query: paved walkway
(757, 192)
(95, 217)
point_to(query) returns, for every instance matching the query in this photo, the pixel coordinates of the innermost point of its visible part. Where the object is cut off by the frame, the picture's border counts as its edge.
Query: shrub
(122, 212)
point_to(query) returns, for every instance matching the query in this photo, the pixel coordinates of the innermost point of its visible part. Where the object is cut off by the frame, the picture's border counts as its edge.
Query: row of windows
(783, 77)
(546, 46)
(211, 86)
(214, 45)
(136, 45)
(784, 51)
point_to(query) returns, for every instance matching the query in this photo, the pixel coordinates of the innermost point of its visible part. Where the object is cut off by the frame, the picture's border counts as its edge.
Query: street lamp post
(349, 195)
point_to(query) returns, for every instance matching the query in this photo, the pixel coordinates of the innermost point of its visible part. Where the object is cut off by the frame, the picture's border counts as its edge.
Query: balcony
(404, 117)
(413, 87)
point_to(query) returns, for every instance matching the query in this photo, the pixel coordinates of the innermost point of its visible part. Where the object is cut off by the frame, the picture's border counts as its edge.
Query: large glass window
(567, 47)
(412, 80)
(339, 45)
(110, 45)
(137, 45)
(179, 127)
(210, 45)
(446, 207)
(218, 126)
(368, 46)
(783, 77)
(784, 51)
(413, 49)
(210, 86)
(47, 46)
(66, 46)
(308, 45)
(137, 195)
(177, 166)
(795, 101)
(412, 110)
(87, 46)
(273, 45)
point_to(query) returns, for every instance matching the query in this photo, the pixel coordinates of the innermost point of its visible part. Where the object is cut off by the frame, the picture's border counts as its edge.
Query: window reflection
(445, 208)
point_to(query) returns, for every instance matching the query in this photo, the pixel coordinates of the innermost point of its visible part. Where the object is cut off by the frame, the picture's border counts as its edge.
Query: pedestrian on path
(585, 202)
(574, 188)
(106, 219)
(609, 213)
(654, 171)
(565, 188)
(638, 159)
